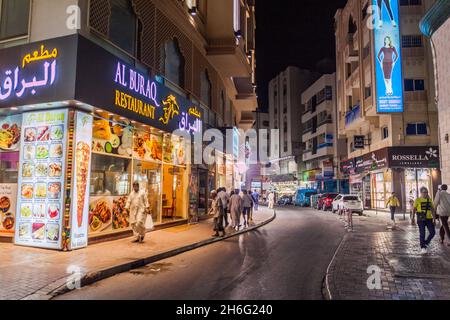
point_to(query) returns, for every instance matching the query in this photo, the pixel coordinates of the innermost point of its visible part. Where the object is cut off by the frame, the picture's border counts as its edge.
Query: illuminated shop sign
(16, 81)
(388, 57)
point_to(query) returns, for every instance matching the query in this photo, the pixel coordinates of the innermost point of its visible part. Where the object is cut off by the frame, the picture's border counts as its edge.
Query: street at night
(224, 158)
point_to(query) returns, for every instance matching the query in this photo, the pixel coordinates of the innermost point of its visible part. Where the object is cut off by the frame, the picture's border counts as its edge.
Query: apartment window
(174, 62)
(414, 85)
(123, 26)
(419, 128)
(266, 124)
(285, 146)
(410, 2)
(14, 18)
(412, 41)
(205, 84)
(367, 92)
(384, 133)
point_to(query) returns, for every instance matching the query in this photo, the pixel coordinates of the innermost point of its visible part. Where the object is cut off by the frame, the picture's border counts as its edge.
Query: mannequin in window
(388, 57)
(387, 3)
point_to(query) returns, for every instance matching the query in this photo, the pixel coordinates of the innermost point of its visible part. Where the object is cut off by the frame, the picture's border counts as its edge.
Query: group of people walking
(426, 212)
(238, 205)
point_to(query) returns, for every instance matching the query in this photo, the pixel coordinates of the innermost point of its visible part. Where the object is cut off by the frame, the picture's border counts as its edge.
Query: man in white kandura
(137, 204)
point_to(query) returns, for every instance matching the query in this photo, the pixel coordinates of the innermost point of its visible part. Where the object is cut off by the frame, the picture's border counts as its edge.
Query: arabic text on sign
(39, 56)
(13, 85)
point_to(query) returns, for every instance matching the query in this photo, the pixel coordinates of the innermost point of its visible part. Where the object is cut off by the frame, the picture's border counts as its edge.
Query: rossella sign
(147, 98)
(34, 71)
(414, 157)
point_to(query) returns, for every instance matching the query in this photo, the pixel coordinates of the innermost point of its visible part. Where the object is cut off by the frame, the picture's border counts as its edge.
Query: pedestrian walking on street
(442, 205)
(424, 210)
(247, 204)
(271, 199)
(217, 212)
(255, 196)
(138, 206)
(393, 203)
(235, 205)
(223, 196)
(411, 200)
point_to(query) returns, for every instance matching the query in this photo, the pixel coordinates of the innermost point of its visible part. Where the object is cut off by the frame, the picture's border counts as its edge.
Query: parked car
(285, 200)
(348, 201)
(303, 197)
(325, 201)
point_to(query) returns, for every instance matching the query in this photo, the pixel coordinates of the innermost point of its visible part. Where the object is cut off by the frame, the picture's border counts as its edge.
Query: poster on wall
(112, 138)
(147, 146)
(388, 57)
(8, 197)
(81, 180)
(107, 214)
(41, 179)
(10, 128)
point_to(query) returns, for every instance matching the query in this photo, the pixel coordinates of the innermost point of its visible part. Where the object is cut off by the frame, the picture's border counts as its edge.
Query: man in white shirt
(137, 204)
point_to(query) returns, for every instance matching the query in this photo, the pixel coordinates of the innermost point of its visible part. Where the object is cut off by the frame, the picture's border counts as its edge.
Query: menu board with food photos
(40, 201)
(112, 138)
(8, 196)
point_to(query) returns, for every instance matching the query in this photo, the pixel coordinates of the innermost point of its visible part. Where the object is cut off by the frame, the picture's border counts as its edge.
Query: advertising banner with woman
(388, 63)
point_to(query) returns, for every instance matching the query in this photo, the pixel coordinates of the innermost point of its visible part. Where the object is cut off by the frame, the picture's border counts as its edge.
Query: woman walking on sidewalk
(423, 207)
(442, 205)
(217, 213)
(393, 203)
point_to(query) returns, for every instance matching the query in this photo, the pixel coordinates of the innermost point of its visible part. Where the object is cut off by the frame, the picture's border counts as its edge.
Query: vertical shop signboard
(82, 158)
(40, 200)
(388, 57)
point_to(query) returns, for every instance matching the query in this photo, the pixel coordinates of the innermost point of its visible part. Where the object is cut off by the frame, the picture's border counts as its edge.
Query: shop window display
(414, 180)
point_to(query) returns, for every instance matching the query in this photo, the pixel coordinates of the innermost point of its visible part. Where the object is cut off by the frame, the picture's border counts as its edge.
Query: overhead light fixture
(193, 11)
(238, 34)
(14, 108)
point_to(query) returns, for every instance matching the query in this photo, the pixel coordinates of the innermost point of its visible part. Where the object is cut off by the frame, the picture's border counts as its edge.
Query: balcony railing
(307, 129)
(327, 119)
(353, 115)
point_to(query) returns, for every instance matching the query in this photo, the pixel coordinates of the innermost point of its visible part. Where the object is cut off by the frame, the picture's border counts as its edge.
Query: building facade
(322, 153)
(436, 26)
(385, 101)
(104, 93)
(285, 110)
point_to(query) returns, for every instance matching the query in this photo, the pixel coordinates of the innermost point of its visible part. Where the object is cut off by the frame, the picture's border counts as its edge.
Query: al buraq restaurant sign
(75, 68)
(117, 86)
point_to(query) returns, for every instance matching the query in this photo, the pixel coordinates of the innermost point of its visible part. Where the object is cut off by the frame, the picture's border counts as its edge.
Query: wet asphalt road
(286, 259)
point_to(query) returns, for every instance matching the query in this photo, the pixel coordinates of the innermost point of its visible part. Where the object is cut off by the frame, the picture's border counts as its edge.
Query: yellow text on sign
(135, 105)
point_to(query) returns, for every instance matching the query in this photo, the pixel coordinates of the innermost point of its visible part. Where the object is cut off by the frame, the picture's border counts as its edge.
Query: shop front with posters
(78, 126)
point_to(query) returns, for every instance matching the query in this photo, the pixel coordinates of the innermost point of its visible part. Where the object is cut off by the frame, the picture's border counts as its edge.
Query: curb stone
(330, 270)
(59, 287)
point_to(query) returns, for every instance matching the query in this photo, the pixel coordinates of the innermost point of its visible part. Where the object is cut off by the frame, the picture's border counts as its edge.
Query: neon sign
(136, 83)
(14, 85)
(171, 109)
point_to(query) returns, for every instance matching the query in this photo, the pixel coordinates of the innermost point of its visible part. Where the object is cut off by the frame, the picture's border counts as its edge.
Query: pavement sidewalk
(32, 274)
(394, 255)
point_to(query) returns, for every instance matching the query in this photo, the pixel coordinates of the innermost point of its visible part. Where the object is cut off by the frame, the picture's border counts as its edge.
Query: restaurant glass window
(203, 192)
(110, 175)
(382, 188)
(148, 174)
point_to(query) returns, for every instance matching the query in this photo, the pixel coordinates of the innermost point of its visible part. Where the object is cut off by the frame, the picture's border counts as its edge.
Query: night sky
(293, 32)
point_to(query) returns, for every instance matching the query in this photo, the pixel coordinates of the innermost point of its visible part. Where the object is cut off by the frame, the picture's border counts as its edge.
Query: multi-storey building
(387, 116)
(323, 151)
(136, 69)
(436, 26)
(285, 110)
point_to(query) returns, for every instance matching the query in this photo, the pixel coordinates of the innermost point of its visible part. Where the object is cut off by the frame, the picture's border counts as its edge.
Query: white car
(348, 201)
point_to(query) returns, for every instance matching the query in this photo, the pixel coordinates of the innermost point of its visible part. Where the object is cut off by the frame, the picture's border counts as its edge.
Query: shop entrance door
(367, 195)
